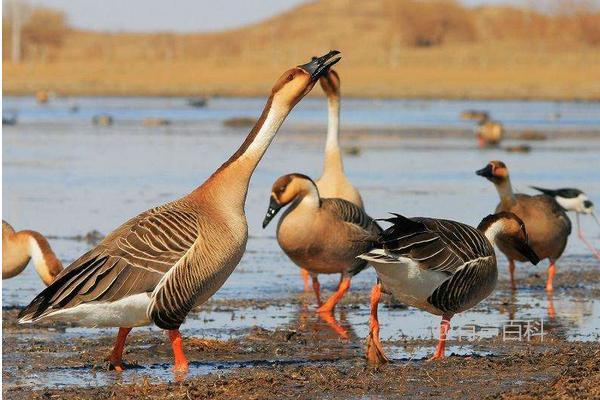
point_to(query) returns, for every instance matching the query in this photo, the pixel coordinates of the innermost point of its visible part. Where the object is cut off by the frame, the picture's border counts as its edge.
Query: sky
(175, 15)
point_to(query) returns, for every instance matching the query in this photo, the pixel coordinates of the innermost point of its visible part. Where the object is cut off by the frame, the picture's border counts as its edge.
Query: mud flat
(280, 349)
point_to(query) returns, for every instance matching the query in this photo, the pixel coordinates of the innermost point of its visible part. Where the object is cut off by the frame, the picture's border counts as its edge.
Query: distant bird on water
(574, 200)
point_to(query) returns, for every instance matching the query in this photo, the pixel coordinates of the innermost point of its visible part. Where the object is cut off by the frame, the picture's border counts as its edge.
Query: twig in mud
(433, 380)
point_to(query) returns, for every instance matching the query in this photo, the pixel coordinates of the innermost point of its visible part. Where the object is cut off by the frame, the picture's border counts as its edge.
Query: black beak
(526, 250)
(485, 172)
(588, 204)
(274, 208)
(319, 65)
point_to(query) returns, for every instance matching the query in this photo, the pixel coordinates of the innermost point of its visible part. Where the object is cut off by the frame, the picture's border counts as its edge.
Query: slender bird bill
(319, 65)
(274, 208)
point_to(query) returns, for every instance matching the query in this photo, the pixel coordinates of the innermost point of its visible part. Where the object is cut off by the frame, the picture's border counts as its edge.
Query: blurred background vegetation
(391, 48)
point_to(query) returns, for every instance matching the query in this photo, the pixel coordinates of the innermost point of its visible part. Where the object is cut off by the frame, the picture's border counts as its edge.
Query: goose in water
(574, 200)
(323, 236)
(159, 265)
(547, 223)
(440, 266)
(333, 183)
(20, 247)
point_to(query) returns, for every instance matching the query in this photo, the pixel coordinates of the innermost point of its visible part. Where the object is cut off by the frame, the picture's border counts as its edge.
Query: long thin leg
(441, 347)
(337, 296)
(511, 270)
(551, 273)
(375, 354)
(584, 240)
(116, 356)
(317, 289)
(305, 278)
(181, 363)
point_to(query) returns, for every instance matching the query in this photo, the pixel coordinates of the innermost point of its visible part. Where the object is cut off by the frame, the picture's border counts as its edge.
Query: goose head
(330, 83)
(496, 172)
(296, 82)
(285, 190)
(510, 230)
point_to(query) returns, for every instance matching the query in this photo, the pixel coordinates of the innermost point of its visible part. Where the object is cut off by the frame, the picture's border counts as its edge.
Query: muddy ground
(307, 359)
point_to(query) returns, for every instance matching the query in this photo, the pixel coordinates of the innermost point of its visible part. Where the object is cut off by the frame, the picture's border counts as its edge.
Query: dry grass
(429, 48)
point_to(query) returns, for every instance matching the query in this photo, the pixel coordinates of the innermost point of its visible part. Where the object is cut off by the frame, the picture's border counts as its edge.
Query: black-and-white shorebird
(572, 199)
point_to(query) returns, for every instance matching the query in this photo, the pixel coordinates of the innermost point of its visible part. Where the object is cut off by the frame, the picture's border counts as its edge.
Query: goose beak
(274, 208)
(486, 172)
(319, 65)
(526, 250)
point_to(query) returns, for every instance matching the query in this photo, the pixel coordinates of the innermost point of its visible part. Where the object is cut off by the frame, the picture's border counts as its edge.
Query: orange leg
(181, 363)
(305, 278)
(337, 296)
(511, 270)
(317, 289)
(116, 357)
(551, 273)
(441, 347)
(550, 304)
(375, 354)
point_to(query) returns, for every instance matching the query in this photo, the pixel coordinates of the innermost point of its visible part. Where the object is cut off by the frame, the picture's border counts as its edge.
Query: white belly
(409, 283)
(127, 312)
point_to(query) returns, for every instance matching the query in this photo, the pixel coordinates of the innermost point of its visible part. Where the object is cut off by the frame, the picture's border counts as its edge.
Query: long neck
(308, 198)
(228, 186)
(46, 264)
(491, 231)
(504, 188)
(333, 156)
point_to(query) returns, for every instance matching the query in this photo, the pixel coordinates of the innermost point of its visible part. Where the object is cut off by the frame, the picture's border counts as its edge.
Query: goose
(333, 182)
(440, 266)
(159, 265)
(574, 200)
(489, 133)
(323, 236)
(20, 247)
(547, 223)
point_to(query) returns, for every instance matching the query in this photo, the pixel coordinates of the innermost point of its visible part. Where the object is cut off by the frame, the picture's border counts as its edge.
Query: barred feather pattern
(459, 250)
(130, 260)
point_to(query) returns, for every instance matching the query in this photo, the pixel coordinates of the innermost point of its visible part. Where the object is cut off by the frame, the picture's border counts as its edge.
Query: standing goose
(333, 183)
(440, 266)
(323, 236)
(159, 265)
(547, 223)
(574, 200)
(19, 247)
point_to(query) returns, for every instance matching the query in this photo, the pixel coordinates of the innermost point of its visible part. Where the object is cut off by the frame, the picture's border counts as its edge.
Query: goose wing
(438, 245)
(130, 260)
(365, 229)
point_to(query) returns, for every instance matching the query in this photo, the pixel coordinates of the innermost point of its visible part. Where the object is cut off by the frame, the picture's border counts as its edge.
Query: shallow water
(64, 177)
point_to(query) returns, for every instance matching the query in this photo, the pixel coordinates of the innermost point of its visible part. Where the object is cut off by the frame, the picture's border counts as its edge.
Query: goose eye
(290, 77)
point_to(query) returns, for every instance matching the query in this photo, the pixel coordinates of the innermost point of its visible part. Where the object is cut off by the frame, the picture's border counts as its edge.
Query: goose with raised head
(323, 236)
(20, 247)
(159, 265)
(333, 182)
(575, 200)
(440, 266)
(548, 225)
